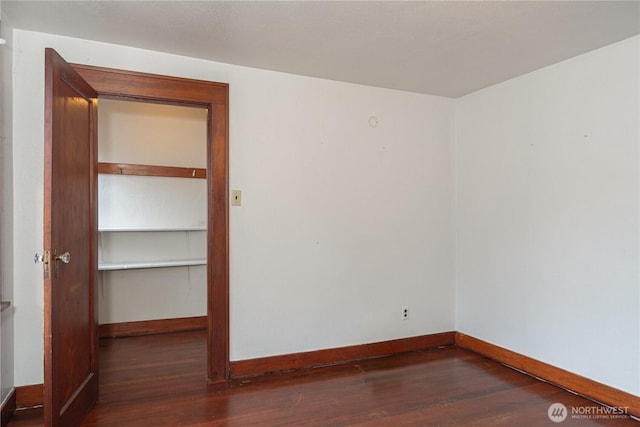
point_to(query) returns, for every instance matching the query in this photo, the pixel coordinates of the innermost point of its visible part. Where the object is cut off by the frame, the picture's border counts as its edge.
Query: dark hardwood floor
(159, 380)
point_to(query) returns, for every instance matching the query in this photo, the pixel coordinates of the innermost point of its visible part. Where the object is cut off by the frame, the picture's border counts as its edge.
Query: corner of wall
(454, 208)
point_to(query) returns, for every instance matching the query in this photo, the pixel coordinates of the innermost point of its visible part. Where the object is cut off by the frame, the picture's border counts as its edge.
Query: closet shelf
(156, 229)
(110, 266)
(150, 170)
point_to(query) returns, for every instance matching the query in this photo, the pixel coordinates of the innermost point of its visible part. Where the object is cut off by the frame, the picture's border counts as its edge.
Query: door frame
(136, 86)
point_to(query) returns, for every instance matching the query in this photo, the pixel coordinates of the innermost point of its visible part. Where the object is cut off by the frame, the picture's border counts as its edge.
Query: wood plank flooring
(159, 380)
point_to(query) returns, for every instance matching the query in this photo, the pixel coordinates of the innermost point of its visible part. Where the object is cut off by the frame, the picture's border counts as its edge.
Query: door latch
(45, 259)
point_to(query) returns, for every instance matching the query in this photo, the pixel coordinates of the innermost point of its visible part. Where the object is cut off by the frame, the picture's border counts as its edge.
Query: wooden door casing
(136, 86)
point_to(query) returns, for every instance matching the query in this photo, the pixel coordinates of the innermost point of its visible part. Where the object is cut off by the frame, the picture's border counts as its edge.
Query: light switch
(236, 197)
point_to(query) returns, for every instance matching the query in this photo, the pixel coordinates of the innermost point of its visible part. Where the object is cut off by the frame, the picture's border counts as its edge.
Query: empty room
(319, 213)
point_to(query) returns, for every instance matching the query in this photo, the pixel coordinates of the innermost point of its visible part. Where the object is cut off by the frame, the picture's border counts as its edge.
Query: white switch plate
(236, 198)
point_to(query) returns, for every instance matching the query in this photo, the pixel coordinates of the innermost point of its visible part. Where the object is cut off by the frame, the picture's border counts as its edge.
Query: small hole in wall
(373, 121)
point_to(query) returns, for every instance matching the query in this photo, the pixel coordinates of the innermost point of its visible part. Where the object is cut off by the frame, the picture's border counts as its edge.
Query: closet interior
(152, 215)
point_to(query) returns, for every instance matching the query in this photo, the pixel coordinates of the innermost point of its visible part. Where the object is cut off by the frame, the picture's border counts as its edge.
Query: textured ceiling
(447, 48)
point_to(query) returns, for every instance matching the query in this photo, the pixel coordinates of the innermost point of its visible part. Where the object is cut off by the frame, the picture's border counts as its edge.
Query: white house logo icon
(557, 412)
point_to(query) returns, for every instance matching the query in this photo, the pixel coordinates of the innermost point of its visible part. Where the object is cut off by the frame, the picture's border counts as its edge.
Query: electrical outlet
(405, 313)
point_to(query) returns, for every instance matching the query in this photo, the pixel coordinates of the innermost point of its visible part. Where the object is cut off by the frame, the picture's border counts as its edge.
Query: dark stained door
(70, 324)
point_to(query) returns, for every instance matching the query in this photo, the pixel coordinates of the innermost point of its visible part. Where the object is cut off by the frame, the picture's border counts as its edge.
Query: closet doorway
(70, 227)
(152, 218)
(118, 85)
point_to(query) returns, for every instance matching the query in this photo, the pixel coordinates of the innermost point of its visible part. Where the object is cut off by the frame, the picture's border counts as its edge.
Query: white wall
(547, 215)
(6, 205)
(342, 223)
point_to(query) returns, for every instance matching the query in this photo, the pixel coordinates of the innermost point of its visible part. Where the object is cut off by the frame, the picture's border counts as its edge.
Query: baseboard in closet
(150, 327)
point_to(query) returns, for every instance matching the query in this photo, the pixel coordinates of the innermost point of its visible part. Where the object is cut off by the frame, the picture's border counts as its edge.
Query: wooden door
(70, 323)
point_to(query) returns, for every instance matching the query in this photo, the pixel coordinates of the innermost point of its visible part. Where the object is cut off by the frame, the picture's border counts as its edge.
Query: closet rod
(149, 170)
